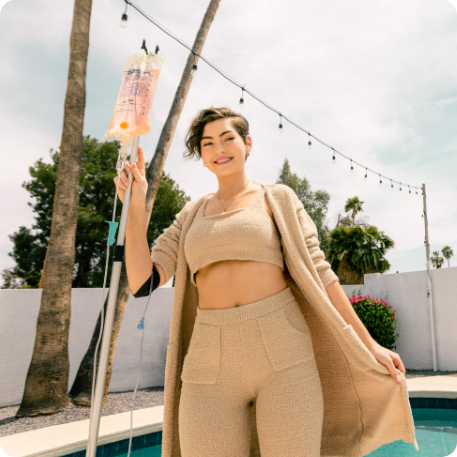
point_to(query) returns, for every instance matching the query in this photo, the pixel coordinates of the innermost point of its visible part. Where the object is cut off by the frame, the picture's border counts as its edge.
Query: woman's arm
(137, 257)
(337, 295)
(344, 307)
(309, 231)
(342, 304)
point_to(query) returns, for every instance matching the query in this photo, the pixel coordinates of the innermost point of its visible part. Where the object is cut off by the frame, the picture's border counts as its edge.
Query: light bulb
(333, 160)
(241, 102)
(310, 145)
(280, 128)
(352, 169)
(194, 70)
(123, 22)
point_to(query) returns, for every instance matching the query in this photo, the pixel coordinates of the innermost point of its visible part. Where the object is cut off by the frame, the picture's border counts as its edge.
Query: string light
(193, 72)
(242, 99)
(352, 168)
(280, 123)
(124, 18)
(380, 180)
(310, 145)
(391, 185)
(233, 81)
(366, 173)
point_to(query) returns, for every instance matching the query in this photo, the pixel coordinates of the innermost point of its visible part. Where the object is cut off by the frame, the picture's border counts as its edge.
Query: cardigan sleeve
(309, 231)
(165, 251)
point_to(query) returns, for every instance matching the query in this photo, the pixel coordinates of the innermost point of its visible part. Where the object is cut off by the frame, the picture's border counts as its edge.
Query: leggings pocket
(286, 336)
(203, 359)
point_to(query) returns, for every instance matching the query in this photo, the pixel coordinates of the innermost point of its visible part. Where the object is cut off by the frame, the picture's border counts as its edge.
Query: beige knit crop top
(241, 234)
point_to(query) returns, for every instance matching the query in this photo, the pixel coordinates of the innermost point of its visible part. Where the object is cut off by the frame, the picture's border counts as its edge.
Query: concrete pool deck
(63, 439)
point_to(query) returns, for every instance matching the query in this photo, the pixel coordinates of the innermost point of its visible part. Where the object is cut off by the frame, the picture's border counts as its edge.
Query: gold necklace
(225, 209)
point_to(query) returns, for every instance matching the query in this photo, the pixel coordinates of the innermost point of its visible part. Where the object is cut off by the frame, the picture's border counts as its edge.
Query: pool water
(154, 451)
(436, 435)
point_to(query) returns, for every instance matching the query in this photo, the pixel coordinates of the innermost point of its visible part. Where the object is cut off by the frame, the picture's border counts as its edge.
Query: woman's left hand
(390, 359)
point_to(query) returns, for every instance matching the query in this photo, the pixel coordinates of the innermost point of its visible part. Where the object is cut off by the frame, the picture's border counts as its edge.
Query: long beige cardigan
(363, 406)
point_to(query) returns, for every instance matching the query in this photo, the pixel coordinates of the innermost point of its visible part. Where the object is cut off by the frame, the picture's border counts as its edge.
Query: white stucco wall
(406, 292)
(18, 315)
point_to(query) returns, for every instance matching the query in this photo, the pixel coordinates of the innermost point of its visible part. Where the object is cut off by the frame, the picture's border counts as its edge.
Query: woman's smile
(223, 161)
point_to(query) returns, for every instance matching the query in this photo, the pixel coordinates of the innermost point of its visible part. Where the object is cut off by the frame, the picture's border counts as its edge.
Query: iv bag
(133, 104)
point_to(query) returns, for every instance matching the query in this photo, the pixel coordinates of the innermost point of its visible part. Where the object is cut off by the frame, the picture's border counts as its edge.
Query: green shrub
(378, 317)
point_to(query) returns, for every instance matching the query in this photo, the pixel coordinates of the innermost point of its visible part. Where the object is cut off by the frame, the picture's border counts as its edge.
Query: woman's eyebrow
(222, 134)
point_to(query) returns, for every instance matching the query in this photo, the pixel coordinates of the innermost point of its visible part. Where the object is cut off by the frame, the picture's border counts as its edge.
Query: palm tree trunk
(81, 389)
(46, 385)
(347, 276)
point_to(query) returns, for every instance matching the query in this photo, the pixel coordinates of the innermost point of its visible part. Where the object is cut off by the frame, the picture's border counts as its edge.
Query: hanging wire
(236, 83)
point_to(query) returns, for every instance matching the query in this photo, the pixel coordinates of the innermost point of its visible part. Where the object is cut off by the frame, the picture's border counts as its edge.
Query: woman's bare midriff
(233, 283)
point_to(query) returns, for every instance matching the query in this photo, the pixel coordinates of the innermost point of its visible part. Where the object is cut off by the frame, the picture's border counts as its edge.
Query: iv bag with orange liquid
(133, 104)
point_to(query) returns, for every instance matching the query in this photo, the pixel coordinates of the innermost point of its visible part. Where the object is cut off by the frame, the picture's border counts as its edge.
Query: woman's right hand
(140, 185)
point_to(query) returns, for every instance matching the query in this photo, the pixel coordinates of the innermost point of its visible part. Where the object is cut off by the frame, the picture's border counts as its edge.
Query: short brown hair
(195, 132)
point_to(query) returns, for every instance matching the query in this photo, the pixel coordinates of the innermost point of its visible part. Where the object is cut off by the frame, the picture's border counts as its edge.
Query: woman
(258, 318)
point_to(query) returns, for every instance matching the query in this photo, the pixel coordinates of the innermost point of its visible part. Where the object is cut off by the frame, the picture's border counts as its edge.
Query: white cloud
(377, 81)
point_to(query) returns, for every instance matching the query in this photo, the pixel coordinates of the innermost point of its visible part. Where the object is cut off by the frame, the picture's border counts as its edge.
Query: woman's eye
(206, 144)
(229, 138)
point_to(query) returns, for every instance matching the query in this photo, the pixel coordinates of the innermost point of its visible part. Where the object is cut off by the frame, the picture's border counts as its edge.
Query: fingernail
(397, 378)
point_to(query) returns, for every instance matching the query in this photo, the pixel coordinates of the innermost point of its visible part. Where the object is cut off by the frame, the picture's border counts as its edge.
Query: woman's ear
(249, 142)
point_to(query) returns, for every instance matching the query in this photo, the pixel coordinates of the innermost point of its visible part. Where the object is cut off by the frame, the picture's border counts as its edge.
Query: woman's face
(222, 149)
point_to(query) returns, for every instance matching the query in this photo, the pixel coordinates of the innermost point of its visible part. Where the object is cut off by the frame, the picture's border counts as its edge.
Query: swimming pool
(436, 434)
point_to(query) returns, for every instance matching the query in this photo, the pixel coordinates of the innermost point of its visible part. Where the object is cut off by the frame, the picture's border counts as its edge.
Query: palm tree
(355, 251)
(355, 205)
(447, 253)
(81, 389)
(46, 384)
(437, 261)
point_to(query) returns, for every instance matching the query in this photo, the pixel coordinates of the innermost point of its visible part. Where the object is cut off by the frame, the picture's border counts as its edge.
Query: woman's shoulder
(278, 190)
(191, 204)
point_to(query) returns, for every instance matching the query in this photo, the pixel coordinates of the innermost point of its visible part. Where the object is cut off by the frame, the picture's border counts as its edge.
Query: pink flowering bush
(378, 317)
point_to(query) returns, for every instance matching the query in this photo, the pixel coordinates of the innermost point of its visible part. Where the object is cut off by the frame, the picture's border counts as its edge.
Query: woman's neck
(229, 186)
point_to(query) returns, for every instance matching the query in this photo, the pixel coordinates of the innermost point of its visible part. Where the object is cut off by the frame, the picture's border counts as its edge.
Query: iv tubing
(140, 327)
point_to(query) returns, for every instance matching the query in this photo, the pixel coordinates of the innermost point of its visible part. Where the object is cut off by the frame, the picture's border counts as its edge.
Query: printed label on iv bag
(133, 104)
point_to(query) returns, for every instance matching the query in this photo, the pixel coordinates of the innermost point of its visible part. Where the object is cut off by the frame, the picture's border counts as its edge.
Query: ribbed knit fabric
(364, 407)
(260, 352)
(241, 234)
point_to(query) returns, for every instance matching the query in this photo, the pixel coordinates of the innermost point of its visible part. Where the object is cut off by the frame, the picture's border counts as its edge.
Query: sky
(376, 80)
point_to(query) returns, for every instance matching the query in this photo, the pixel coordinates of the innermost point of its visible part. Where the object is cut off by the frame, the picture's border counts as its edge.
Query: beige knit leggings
(263, 351)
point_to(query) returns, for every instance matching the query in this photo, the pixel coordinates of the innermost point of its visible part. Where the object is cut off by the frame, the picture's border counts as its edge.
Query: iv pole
(96, 407)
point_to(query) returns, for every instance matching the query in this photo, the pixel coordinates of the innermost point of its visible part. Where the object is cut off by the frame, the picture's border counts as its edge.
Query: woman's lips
(225, 161)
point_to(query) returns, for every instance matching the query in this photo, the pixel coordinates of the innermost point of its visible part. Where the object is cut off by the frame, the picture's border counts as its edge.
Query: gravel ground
(117, 403)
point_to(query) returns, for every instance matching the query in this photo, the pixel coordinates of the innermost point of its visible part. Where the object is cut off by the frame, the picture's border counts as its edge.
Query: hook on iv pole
(143, 46)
